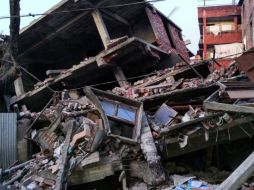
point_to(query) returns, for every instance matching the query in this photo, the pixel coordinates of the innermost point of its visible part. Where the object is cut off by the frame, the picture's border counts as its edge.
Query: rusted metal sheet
(8, 139)
(246, 63)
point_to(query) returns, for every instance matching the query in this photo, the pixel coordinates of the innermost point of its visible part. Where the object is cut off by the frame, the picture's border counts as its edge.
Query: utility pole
(14, 27)
(11, 50)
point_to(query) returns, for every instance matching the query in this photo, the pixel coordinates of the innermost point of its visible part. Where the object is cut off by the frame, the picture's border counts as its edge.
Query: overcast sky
(185, 15)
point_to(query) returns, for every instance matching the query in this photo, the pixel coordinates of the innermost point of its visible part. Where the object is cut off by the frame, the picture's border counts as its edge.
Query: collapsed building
(108, 99)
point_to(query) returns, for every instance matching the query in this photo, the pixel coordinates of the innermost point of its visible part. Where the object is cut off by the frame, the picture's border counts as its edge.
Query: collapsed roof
(68, 33)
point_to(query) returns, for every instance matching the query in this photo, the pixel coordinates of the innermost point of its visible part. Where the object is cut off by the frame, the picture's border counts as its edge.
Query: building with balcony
(220, 33)
(247, 7)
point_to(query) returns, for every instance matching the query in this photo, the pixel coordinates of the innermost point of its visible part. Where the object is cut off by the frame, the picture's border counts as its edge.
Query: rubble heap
(151, 107)
(77, 132)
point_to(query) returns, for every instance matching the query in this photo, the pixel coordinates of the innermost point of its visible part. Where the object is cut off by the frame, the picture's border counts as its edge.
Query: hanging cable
(42, 111)
(38, 80)
(81, 10)
(115, 81)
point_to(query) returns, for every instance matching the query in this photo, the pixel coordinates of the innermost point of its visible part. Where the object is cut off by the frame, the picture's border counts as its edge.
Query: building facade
(247, 7)
(220, 32)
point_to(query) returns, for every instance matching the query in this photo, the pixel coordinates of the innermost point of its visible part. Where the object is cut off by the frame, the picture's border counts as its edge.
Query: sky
(185, 15)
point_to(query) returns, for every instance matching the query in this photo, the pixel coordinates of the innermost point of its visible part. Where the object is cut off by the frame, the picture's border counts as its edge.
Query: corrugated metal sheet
(8, 139)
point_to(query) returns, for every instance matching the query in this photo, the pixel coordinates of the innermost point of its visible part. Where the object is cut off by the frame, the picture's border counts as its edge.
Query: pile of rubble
(163, 81)
(70, 135)
(179, 113)
(81, 129)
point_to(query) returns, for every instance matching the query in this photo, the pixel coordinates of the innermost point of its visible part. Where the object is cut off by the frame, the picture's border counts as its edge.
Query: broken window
(121, 118)
(119, 111)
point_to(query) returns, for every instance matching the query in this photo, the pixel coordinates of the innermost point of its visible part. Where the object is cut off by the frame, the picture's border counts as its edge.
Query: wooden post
(14, 27)
(240, 175)
(101, 27)
(120, 77)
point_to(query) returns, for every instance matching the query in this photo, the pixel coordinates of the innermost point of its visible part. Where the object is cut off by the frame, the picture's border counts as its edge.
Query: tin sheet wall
(8, 139)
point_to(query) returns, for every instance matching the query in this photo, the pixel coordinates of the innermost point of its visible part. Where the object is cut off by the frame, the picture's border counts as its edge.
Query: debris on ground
(132, 107)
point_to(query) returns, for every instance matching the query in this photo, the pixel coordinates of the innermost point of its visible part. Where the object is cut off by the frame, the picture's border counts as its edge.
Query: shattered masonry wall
(162, 37)
(180, 45)
(159, 30)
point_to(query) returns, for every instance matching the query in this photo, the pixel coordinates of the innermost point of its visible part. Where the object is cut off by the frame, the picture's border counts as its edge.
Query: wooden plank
(227, 107)
(240, 175)
(101, 27)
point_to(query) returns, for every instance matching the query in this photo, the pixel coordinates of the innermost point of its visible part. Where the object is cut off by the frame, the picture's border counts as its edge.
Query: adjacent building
(247, 7)
(220, 33)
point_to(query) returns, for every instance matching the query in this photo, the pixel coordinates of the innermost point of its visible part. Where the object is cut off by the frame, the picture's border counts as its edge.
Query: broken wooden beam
(211, 104)
(227, 107)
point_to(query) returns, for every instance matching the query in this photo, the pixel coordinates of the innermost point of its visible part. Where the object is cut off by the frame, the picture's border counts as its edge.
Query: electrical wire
(38, 80)
(115, 81)
(98, 84)
(140, 76)
(40, 114)
(80, 10)
(110, 82)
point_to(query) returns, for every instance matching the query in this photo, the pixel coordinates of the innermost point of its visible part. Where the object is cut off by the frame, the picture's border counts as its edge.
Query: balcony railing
(224, 38)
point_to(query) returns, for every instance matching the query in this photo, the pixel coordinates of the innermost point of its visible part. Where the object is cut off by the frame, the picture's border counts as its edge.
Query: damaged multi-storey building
(106, 98)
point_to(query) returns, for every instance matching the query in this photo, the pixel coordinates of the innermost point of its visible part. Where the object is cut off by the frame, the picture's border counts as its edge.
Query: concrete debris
(77, 132)
(153, 119)
(164, 82)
